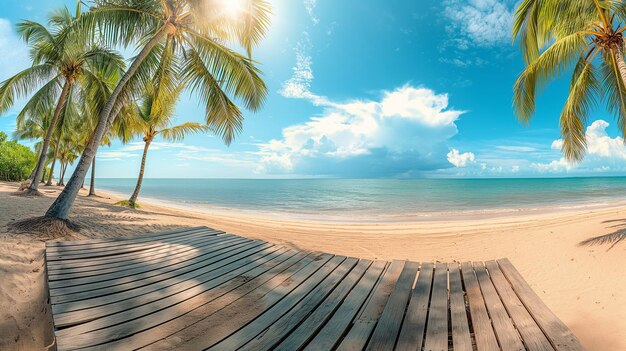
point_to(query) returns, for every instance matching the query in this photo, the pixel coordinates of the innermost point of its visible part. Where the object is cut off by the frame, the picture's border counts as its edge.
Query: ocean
(383, 197)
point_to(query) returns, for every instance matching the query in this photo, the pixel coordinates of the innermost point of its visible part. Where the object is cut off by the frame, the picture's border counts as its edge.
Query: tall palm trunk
(133, 198)
(621, 65)
(54, 159)
(34, 185)
(92, 183)
(62, 176)
(63, 204)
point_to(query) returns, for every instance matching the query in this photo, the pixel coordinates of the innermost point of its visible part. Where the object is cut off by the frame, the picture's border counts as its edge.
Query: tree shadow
(611, 239)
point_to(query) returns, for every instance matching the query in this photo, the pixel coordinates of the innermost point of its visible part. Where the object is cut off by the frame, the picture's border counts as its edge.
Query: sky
(367, 89)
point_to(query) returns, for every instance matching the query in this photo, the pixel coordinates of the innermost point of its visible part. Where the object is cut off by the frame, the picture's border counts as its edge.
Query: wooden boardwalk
(198, 289)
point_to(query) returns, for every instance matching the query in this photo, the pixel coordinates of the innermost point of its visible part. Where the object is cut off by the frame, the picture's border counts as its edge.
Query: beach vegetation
(16, 160)
(193, 34)
(584, 37)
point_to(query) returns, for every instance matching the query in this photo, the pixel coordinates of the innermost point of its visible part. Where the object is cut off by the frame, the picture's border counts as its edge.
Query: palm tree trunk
(63, 204)
(62, 177)
(92, 184)
(34, 185)
(133, 198)
(54, 160)
(621, 65)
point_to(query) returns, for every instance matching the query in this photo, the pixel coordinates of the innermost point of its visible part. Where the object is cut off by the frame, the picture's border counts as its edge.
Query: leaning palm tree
(193, 32)
(155, 113)
(585, 36)
(61, 60)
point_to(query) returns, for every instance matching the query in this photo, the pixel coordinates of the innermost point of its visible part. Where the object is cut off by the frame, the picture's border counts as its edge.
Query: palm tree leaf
(21, 84)
(178, 133)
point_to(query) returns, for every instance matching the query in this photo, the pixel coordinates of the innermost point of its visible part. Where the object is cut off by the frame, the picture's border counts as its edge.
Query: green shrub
(16, 161)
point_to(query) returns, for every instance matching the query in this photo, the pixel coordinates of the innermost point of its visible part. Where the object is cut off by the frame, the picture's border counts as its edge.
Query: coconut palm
(194, 33)
(585, 36)
(155, 121)
(60, 61)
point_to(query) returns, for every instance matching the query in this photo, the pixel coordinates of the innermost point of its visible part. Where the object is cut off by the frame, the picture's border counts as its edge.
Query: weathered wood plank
(163, 255)
(174, 333)
(127, 323)
(280, 328)
(328, 272)
(359, 334)
(126, 280)
(158, 297)
(483, 331)
(461, 338)
(533, 337)
(555, 330)
(388, 326)
(230, 318)
(124, 257)
(57, 250)
(330, 335)
(507, 336)
(305, 331)
(120, 239)
(412, 333)
(437, 332)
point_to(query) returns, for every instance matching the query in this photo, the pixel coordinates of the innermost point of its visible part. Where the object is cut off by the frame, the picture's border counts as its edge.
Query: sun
(233, 8)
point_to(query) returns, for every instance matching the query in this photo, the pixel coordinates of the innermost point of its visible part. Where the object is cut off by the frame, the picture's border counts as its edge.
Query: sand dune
(584, 285)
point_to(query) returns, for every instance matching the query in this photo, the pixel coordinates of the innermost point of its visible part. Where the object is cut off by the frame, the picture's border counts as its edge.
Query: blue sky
(368, 89)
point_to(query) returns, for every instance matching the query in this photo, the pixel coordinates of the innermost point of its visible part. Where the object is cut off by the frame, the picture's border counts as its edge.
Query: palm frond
(178, 133)
(21, 84)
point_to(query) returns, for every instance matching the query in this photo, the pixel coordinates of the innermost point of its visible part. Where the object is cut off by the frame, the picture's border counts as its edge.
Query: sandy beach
(583, 285)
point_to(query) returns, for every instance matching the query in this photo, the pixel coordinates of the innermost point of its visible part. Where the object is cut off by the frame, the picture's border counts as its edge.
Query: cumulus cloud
(403, 134)
(604, 153)
(461, 159)
(484, 22)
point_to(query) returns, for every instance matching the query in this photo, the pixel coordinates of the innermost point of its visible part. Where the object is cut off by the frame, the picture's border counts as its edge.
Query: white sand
(584, 285)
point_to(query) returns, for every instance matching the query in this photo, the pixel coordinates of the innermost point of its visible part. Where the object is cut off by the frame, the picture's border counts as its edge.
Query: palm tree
(154, 118)
(189, 31)
(60, 61)
(584, 35)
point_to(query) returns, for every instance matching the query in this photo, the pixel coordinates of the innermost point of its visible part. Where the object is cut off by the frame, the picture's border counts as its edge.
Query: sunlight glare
(233, 8)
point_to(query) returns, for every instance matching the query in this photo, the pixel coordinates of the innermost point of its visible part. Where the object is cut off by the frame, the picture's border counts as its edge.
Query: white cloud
(460, 159)
(14, 56)
(604, 153)
(114, 155)
(309, 6)
(402, 134)
(485, 22)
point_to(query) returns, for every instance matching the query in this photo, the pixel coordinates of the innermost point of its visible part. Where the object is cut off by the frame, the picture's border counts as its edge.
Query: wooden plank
(483, 331)
(329, 272)
(99, 287)
(127, 323)
(130, 258)
(181, 287)
(132, 241)
(54, 244)
(332, 332)
(301, 335)
(69, 256)
(357, 336)
(388, 327)
(281, 327)
(129, 283)
(507, 336)
(204, 305)
(124, 257)
(555, 330)
(226, 320)
(166, 254)
(533, 337)
(461, 338)
(437, 331)
(412, 332)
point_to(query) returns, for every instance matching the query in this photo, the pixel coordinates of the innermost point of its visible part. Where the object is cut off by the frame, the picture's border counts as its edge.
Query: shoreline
(358, 217)
(579, 283)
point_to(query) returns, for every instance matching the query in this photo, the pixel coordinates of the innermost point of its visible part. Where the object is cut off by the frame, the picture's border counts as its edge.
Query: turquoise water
(377, 196)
